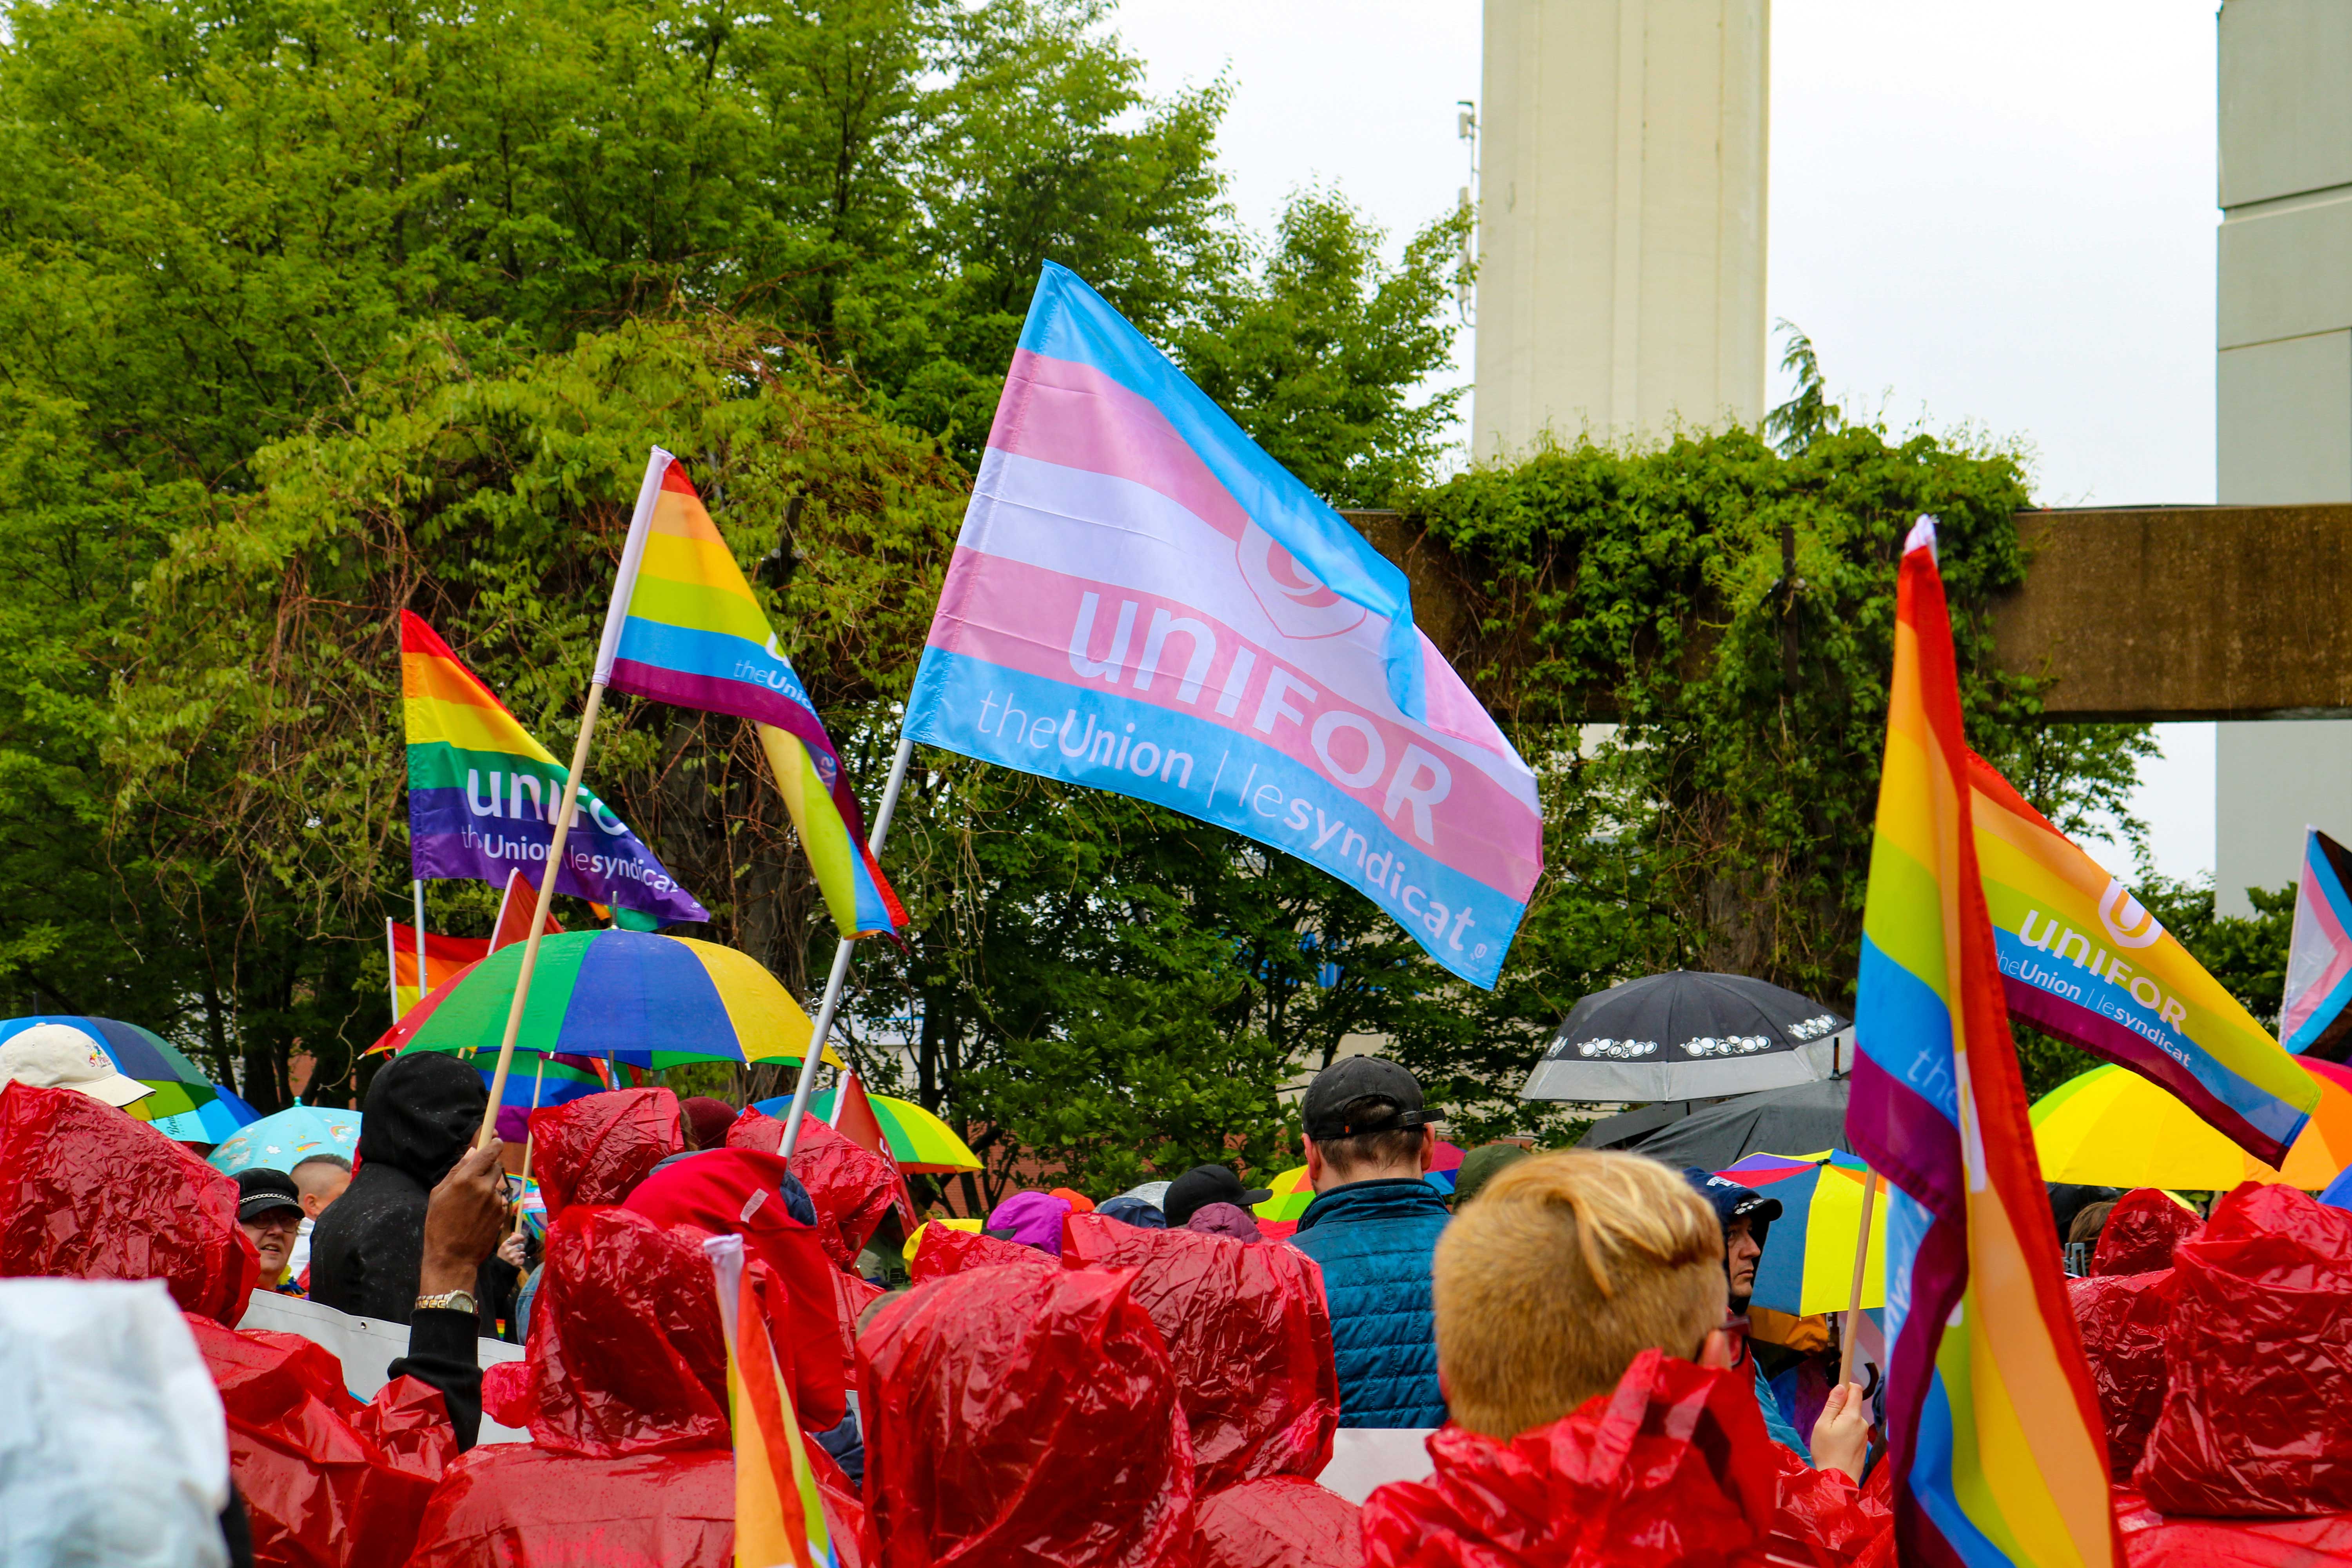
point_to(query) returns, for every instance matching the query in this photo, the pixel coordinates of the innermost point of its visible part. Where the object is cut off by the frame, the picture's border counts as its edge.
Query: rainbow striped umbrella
(626, 996)
(1292, 1195)
(918, 1140)
(186, 1105)
(1808, 1262)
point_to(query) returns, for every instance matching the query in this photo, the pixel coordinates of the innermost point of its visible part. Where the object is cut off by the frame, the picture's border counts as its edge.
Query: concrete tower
(1620, 224)
(2284, 381)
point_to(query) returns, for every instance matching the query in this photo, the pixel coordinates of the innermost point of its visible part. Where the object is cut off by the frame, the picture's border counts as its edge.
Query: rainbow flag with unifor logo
(2083, 960)
(1993, 1427)
(779, 1512)
(482, 795)
(684, 628)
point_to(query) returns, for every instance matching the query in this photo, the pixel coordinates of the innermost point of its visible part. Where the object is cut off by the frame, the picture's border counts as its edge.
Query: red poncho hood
(735, 1192)
(87, 1192)
(625, 1355)
(2141, 1232)
(596, 1148)
(851, 1186)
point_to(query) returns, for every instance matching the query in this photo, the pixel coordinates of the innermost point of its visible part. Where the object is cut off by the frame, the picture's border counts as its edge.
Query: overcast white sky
(1998, 217)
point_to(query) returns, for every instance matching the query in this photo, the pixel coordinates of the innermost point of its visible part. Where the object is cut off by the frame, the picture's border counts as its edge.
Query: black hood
(423, 1111)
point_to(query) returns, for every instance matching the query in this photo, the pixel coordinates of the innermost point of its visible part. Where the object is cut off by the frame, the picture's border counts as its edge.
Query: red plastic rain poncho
(2152, 1540)
(942, 1250)
(1674, 1467)
(2122, 1319)
(851, 1186)
(1283, 1522)
(328, 1482)
(1248, 1335)
(86, 1193)
(2258, 1358)
(596, 1148)
(1015, 1416)
(623, 1387)
(734, 1192)
(2141, 1231)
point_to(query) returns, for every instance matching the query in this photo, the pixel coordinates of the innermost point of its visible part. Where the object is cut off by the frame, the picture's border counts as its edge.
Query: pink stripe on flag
(1072, 415)
(1047, 606)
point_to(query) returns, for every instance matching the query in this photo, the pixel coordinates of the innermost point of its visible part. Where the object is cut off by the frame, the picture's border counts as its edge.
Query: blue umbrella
(2339, 1190)
(292, 1135)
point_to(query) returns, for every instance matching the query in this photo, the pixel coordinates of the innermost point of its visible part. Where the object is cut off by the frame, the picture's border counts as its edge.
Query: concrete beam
(2189, 612)
(2141, 613)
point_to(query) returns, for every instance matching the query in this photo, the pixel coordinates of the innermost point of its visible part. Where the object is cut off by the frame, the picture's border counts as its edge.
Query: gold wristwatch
(449, 1301)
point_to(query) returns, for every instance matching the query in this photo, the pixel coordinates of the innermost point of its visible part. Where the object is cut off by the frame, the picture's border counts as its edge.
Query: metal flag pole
(392, 966)
(840, 977)
(424, 983)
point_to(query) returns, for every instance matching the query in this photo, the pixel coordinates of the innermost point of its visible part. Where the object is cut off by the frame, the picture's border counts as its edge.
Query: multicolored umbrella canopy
(186, 1105)
(626, 996)
(1808, 1262)
(218, 1118)
(286, 1138)
(2115, 1128)
(918, 1140)
(1292, 1195)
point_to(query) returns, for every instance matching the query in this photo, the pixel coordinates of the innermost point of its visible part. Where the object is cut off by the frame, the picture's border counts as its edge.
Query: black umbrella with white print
(1689, 1034)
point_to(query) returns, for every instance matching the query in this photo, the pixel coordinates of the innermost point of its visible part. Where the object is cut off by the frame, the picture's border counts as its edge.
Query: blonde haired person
(1551, 1293)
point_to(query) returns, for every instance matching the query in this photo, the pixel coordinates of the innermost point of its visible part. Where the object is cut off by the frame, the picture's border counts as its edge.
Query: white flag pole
(623, 584)
(840, 977)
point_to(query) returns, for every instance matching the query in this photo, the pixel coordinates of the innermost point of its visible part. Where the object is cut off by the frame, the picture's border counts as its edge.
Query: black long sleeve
(443, 1352)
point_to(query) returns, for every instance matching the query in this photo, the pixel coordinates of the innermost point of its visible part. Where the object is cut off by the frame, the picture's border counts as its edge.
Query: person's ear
(1314, 1162)
(1428, 1149)
(1715, 1351)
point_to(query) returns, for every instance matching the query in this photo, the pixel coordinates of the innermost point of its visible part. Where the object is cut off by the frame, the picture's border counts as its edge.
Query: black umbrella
(1687, 1035)
(1800, 1120)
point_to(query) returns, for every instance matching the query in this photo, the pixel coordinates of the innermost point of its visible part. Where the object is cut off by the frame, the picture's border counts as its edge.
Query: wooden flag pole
(840, 977)
(538, 1079)
(1861, 1256)
(538, 910)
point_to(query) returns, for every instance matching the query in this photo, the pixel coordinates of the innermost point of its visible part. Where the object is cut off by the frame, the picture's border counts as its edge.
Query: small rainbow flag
(482, 795)
(1993, 1427)
(684, 628)
(779, 1512)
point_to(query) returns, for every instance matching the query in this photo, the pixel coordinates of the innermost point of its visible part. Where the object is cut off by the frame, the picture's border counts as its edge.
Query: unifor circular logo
(2128, 925)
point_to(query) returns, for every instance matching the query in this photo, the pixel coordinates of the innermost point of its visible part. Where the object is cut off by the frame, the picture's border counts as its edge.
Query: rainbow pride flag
(2081, 958)
(684, 629)
(482, 795)
(779, 1512)
(1993, 1427)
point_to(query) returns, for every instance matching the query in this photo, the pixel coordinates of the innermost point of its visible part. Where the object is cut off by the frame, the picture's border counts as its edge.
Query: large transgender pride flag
(1142, 601)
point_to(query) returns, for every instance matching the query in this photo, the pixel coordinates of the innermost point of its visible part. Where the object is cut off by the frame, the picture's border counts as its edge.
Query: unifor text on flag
(1142, 601)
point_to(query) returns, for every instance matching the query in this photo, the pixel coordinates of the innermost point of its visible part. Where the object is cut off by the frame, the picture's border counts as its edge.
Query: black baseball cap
(261, 1190)
(1363, 1094)
(1202, 1186)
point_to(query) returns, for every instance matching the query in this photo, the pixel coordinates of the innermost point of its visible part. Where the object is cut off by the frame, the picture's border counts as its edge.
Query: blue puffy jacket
(1373, 1241)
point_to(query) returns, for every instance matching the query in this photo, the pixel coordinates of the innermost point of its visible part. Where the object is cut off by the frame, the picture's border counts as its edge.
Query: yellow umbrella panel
(2114, 1129)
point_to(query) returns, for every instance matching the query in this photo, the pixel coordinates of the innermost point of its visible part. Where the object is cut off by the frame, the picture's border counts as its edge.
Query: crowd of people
(1150, 1379)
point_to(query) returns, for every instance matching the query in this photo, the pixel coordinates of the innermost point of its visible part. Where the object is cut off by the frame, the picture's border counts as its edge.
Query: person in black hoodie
(366, 1251)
